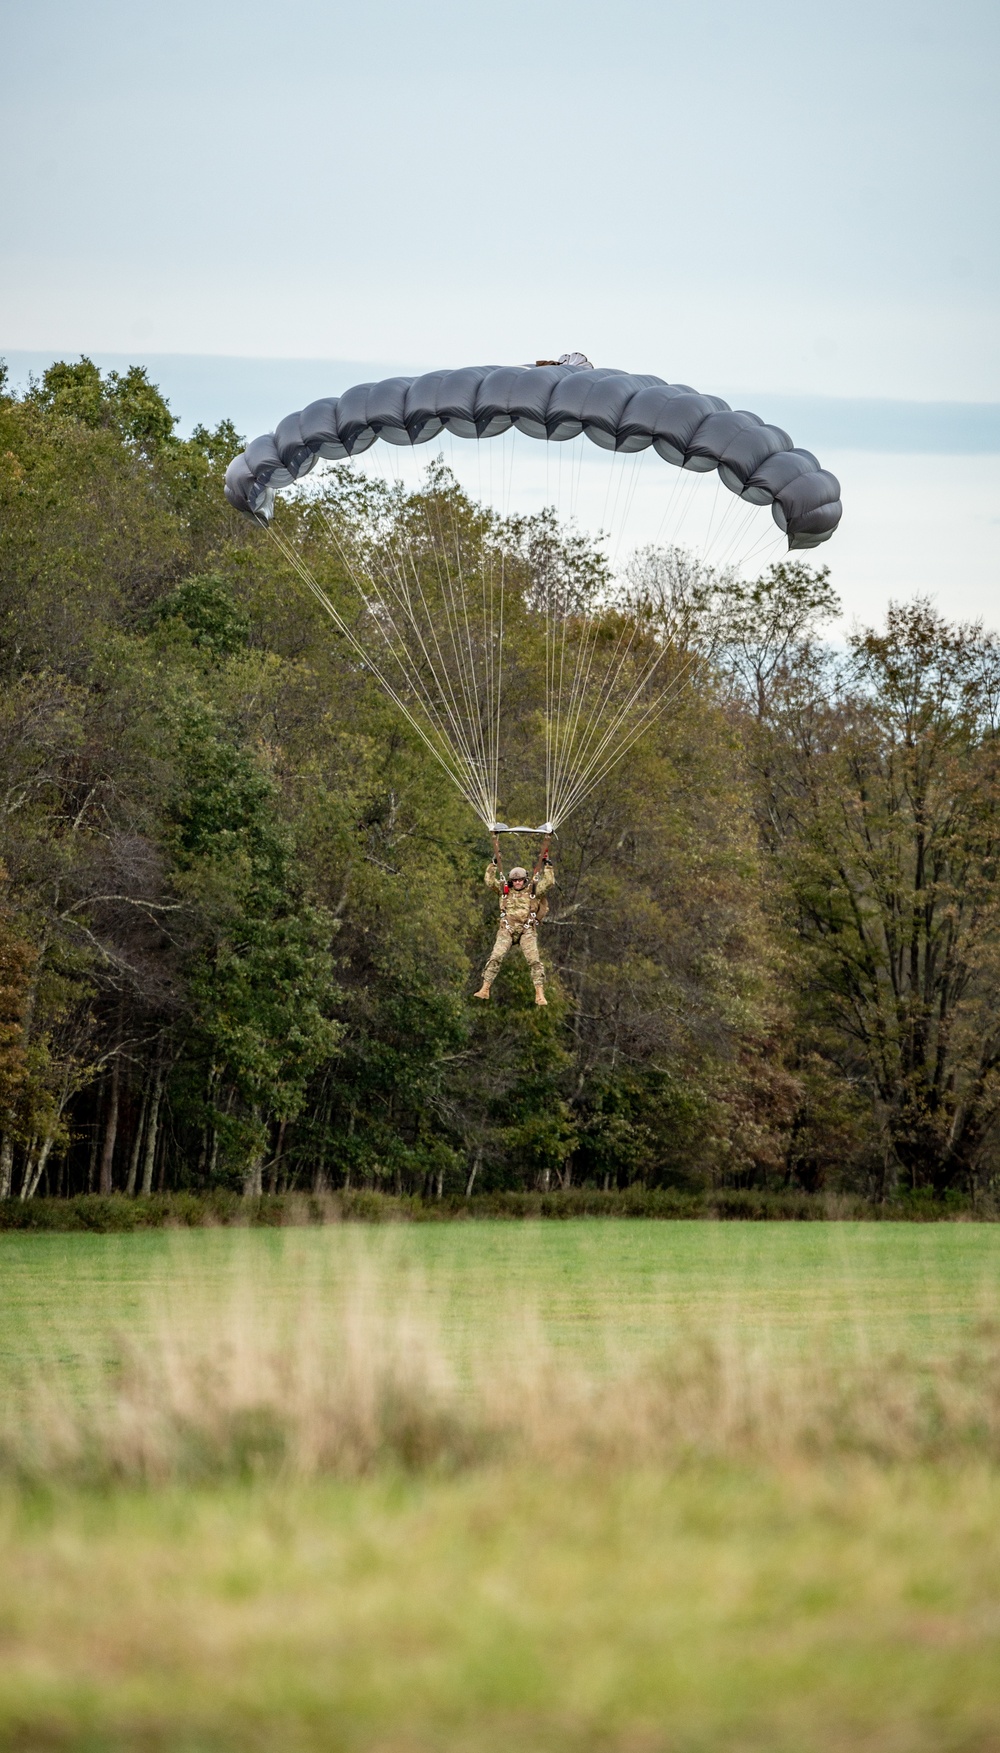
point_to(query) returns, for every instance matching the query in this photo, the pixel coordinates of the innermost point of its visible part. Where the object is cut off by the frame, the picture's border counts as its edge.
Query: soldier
(521, 907)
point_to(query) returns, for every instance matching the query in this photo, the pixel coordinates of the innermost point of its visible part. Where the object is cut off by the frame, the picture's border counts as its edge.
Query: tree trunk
(111, 1126)
(253, 1180)
(274, 1179)
(136, 1151)
(473, 1172)
(319, 1184)
(30, 1187)
(350, 1134)
(29, 1168)
(6, 1165)
(152, 1124)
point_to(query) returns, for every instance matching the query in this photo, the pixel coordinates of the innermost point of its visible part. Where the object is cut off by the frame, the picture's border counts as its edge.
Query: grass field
(861, 1287)
(644, 1488)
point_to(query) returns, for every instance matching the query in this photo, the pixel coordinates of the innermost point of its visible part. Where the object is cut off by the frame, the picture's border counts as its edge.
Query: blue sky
(785, 202)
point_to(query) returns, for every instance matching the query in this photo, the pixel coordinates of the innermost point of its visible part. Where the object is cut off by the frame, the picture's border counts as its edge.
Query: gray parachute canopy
(617, 410)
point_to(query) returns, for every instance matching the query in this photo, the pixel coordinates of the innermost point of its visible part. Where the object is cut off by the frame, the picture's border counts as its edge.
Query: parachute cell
(616, 410)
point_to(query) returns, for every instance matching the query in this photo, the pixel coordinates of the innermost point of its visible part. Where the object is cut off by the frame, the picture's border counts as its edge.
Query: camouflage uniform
(518, 922)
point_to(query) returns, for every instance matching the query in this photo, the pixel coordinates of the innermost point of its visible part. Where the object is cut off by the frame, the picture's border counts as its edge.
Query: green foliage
(243, 910)
(113, 1215)
(881, 784)
(125, 401)
(16, 960)
(205, 605)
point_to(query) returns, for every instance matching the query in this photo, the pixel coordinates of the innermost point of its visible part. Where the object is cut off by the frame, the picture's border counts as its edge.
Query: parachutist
(522, 907)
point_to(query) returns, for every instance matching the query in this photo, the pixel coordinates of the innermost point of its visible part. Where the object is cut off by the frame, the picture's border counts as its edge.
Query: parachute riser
(540, 862)
(546, 830)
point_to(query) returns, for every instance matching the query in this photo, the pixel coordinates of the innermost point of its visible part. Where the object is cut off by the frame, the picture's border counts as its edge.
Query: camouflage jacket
(520, 908)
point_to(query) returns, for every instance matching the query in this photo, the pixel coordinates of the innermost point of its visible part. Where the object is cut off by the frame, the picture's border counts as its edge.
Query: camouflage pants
(528, 939)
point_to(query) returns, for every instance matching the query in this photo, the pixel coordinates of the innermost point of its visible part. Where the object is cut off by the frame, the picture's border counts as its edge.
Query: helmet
(518, 872)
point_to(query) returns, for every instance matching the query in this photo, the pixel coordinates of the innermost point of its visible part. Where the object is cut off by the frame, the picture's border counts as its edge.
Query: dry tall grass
(358, 1376)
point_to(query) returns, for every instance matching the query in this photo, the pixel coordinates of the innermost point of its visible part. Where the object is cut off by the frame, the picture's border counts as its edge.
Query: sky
(793, 206)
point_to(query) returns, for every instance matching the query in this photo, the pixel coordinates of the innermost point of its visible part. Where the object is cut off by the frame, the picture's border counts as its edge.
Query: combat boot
(483, 992)
(540, 997)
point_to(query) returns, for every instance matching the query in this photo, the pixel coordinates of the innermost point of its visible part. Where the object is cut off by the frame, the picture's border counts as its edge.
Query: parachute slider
(502, 828)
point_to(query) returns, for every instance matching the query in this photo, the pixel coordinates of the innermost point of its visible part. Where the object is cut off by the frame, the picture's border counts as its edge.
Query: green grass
(562, 1598)
(635, 1613)
(863, 1288)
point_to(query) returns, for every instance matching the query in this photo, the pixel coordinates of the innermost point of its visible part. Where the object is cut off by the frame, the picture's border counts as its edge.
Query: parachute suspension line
(462, 718)
(441, 755)
(628, 482)
(577, 749)
(582, 748)
(568, 710)
(496, 633)
(367, 583)
(555, 664)
(457, 612)
(392, 585)
(460, 725)
(460, 721)
(479, 712)
(490, 711)
(456, 670)
(763, 551)
(442, 751)
(499, 667)
(580, 740)
(585, 752)
(567, 717)
(613, 478)
(730, 514)
(592, 755)
(398, 596)
(688, 500)
(564, 703)
(599, 769)
(567, 722)
(637, 472)
(711, 518)
(482, 715)
(669, 507)
(555, 655)
(744, 526)
(731, 525)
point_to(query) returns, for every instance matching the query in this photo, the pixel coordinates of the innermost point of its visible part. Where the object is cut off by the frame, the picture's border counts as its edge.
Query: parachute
(431, 609)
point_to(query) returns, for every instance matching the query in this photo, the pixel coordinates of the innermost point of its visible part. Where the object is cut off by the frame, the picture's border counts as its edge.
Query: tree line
(242, 913)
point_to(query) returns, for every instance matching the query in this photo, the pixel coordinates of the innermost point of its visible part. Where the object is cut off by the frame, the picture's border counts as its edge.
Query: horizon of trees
(242, 913)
